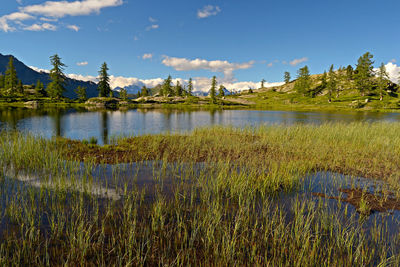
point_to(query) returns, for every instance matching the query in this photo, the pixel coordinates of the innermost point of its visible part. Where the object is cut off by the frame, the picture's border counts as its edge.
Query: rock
(32, 104)
(366, 100)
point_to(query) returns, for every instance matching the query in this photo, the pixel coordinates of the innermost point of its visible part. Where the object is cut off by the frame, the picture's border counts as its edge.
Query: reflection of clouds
(94, 189)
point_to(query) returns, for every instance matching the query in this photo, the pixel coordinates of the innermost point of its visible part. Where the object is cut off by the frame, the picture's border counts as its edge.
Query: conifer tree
(2, 83)
(144, 91)
(123, 94)
(349, 72)
(364, 73)
(178, 89)
(262, 83)
(303, 82)
(20, 87)
(221, 91)
(287, 77)
(81, 93)
(213, 89)
(167, 87)
(104, 81)
(383, 77)
(190, 87)
(11, 79)
(39, 88)
(56, 87)
(332, 82)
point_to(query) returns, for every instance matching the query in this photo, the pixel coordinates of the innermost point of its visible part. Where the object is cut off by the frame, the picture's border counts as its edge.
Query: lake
(83, 124)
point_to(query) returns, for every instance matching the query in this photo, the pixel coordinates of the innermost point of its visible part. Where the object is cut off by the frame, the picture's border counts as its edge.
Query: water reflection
(103, 125)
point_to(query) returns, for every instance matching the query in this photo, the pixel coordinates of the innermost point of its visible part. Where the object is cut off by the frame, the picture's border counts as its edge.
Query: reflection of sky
(78, 125)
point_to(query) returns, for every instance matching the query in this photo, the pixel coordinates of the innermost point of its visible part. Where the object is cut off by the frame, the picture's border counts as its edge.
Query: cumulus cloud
(227, 68)
(53, 10)
(73, 27)
(147, 56)
(15, 17)
(208, 11)
(152, 27)
(41, 27)
(393, 71)
(83, 63)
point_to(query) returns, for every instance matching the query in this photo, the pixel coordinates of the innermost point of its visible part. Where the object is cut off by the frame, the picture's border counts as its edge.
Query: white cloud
(152, 27)
(135, 38)
(48, 19)
(39, 70)
(152, 20)
(59, 9)
(16, 17)
(393, 71)
(83, 63)
(269, 65)
(52, 10)
(73, 27)
(297, 61)
(227, 68)
(208, 11)
(19, 2)
(147, 56)
(41, 27)
(393, 60)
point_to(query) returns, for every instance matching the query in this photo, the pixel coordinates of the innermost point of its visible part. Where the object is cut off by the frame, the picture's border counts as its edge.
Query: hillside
(30, 76)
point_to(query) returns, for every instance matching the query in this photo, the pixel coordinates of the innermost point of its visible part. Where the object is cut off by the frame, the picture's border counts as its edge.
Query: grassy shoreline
(213, 198)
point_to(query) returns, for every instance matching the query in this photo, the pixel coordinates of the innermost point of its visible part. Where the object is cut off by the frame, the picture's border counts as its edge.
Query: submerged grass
(212, 201)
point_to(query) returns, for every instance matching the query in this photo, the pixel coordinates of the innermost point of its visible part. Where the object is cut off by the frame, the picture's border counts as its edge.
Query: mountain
(30, 76)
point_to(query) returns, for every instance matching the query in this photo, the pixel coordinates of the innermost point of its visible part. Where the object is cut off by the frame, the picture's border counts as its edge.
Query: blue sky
(241, 42)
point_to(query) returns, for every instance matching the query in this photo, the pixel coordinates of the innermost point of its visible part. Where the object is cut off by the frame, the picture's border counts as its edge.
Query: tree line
(364, 78)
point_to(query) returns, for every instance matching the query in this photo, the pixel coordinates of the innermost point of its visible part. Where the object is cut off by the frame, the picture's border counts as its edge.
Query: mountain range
(30, 76)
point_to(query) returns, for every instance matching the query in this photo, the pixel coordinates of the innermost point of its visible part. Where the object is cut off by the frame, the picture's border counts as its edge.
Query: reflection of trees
(212, 116)
(56, 115)
(104, 125)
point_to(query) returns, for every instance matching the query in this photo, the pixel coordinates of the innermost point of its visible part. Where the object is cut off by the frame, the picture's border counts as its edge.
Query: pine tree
(81, 93)
(2, 83)
(104, 81)
(221, 91)
(303, 82)
(213, 89)
(364, 73)
(349, 72)
(39, 88)
(287, 77)
(56, 87)
(20, 87)
(11, 79)
(262, 83)
(178, 89)
(144, 91)
(167, 87)
(383, 77)
(123, 94)
(190, 87)
(331, 86)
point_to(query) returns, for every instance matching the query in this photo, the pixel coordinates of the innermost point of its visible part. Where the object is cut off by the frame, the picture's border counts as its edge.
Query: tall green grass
(214, 200)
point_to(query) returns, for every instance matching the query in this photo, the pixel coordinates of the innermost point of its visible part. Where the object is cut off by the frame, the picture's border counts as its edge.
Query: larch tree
(20, 87)
(104, 81)
(263, 83)
(144, 91)
(178, 89)
(213, 89)
(221, 91)
(303, 82)
(286, 77)
(123, 94)
(56, 87)
(39, 88)
(10, 79)
(383, 78)
(167, 87)
(364, 73)
(190, 87)
(332, 83)
(81, 93)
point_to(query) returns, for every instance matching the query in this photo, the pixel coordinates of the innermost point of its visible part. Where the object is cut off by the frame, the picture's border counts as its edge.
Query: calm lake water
(80, 124)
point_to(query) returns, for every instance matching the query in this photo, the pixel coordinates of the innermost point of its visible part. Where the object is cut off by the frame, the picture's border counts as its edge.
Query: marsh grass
(214, 199)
